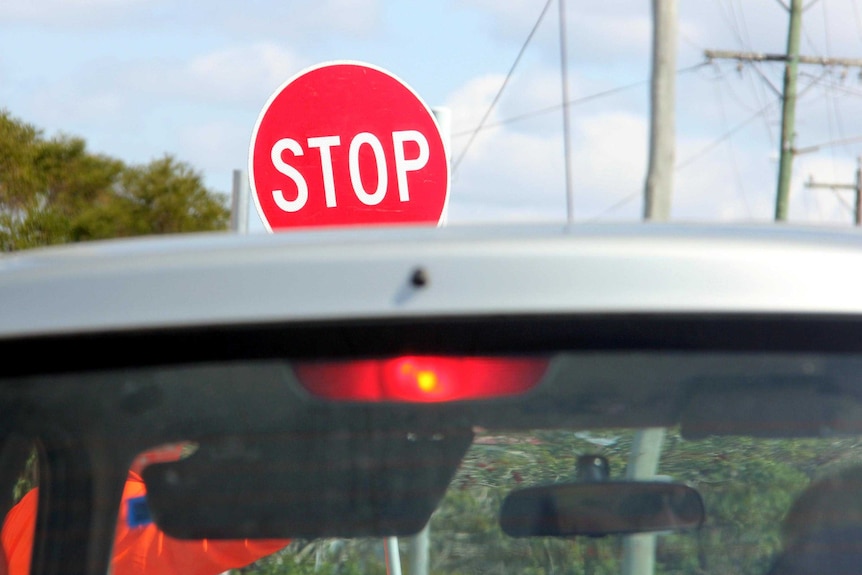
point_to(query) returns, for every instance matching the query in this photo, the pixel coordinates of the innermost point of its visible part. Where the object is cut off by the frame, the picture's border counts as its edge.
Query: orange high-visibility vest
(139, 547)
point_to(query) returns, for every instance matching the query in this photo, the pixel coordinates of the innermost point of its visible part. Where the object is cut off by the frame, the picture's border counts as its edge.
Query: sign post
(347, 144)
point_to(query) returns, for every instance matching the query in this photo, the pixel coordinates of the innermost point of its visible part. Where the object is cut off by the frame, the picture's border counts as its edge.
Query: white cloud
(295, 19)
(242, 73)
(106, 90)
(523, 170)
(70, 14)
(609, 163)
(214, 145)
(252, 19)
(724, 185)
(596, 32)
(206, 105)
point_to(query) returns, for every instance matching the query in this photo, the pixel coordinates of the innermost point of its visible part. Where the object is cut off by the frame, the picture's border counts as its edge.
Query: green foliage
(747, 485)
(54, 191)
(167, 196)
(29, 477)
(322, 557)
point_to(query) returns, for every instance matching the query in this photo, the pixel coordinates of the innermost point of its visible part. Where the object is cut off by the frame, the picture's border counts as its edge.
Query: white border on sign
(280, 89)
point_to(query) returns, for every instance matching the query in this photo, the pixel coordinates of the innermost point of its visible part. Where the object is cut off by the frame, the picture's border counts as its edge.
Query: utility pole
(856, 187)
(564, 78)
(639, 550)
(791, 60)
(239, 203)
(659, 182)
(788, 111)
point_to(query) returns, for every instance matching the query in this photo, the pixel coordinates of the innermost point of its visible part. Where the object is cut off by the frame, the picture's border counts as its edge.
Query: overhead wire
(827, 95)
(833, 86)
(735, 20)
(509, 74)
(740, 184)
(703, 151)
(856, 17)
(743, 24)
(722, 74)
(758, 88)
(615, 206)
(836, 110)
(738, 24)
(833, 117)
(572, 102)
(730, 18)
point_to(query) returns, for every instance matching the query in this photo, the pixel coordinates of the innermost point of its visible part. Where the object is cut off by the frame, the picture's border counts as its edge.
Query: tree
(167, 196)
(54, 191)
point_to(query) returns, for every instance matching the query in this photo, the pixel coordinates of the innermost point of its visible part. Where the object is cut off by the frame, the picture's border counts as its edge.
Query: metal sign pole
(239, 203)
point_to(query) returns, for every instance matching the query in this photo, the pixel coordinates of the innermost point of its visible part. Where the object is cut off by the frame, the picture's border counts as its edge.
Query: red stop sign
(347, 143)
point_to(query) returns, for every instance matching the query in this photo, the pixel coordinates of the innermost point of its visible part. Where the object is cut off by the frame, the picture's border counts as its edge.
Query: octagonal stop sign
(347, 143)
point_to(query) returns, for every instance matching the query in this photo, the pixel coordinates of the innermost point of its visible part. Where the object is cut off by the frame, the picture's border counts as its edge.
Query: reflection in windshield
(139, 546)
(771, 506)
(748, 487)
(20, 506)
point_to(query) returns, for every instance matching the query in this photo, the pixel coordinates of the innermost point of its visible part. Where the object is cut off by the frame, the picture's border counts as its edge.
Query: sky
(138, 79)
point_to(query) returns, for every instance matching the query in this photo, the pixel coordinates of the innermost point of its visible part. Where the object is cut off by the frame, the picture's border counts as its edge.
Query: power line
(503, 86)
(628, 198)
(573, 102)
(731, 20)
(833, 117)
(856, 19)
(758, 87)
(740, 184)
(564, 76)
(703, 151)
(744, 22)
(791, 59)
(722, 76)
(615, 206)
(826, 31)
(836, 87)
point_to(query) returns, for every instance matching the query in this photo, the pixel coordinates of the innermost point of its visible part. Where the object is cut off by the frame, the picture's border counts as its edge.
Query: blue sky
(141, 78)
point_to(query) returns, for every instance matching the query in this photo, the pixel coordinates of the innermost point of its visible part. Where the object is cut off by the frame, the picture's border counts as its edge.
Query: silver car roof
(223, 278)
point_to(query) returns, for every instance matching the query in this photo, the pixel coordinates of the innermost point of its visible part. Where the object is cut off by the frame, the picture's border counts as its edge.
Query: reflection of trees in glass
(29, 477)
(747, 485)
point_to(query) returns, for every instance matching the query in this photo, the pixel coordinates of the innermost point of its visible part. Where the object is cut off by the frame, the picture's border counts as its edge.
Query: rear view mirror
(600, 508)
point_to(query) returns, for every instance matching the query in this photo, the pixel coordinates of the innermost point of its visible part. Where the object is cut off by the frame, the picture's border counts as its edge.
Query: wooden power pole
(791, 59)
(788, 111)
(659, 181)
(639, 550)
(856, 187)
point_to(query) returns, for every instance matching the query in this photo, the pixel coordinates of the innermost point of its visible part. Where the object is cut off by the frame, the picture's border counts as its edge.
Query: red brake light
(421, 379)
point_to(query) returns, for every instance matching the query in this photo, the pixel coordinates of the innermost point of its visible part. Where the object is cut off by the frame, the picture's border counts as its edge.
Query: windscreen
(767, 504)
(678, 462)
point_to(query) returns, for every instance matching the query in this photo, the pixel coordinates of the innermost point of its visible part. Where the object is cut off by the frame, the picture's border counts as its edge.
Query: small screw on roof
(419, 278)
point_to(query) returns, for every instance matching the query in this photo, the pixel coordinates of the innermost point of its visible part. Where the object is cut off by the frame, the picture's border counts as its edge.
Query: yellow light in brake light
(421, 379)
(426, 381)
